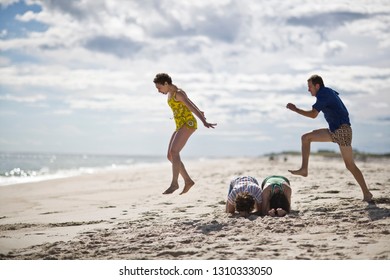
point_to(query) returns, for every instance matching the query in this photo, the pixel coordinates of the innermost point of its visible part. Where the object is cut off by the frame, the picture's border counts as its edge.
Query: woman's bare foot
(187, 186)
(171, 189)
(300, 172)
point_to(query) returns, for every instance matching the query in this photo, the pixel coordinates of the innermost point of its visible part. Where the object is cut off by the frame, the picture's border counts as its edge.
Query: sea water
(31, 167)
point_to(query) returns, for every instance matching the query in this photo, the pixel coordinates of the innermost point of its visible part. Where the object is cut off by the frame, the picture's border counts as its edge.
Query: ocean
(18, 168)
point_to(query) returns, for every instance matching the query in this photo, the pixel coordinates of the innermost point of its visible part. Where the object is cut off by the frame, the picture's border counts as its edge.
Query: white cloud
(5, 3)
(333, 48)
(23, 98)
(239, 61)
(3, 33)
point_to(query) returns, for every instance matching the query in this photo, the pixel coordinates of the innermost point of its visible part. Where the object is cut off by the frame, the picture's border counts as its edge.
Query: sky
(77, 76)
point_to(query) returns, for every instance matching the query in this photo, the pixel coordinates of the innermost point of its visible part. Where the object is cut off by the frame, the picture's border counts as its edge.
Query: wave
(16, 168)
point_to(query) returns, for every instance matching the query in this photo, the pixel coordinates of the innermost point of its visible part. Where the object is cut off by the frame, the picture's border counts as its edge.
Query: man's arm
(313, 113)
(230, 208)
(259, 207)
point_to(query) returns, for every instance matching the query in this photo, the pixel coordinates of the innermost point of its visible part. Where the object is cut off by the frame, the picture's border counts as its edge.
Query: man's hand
(292, 107)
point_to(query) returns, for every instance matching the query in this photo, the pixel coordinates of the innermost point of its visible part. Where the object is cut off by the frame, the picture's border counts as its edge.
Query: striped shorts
(342, 135)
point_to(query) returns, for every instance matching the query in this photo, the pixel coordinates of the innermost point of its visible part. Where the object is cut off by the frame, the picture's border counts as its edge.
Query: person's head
(162, 82)
(314, 84)
(279, 200)
(245, 203)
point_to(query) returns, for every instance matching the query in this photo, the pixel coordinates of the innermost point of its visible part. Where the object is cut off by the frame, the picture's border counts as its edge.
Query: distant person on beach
(276, 196)
(183, 109)
(340, 131)
(244, 196)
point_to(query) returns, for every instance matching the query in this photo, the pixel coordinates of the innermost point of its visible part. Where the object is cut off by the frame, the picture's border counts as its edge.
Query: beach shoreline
(122, 214)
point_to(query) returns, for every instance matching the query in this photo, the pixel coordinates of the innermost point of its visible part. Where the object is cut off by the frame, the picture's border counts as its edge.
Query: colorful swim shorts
(342, 135)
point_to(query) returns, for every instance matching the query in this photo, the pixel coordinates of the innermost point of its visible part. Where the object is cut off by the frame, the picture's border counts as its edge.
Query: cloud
(76, 9)
(5, 3)
(239, 61)
(121, 47)
(327, 20)
(24, 98)
(218, 21)
(333, 48)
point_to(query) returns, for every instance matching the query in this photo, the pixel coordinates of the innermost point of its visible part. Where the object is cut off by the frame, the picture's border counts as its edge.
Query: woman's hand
(272, 213)
(281, 212)
(209, 125)
(277, 213)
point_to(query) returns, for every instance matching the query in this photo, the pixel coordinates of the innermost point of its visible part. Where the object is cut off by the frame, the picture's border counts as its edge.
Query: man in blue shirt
(340, 132)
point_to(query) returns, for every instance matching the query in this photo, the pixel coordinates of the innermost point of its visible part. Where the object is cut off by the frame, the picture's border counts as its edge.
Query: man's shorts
(342, 135)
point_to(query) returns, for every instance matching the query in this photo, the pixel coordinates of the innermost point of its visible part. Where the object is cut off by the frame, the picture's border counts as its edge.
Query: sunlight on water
(30, 167)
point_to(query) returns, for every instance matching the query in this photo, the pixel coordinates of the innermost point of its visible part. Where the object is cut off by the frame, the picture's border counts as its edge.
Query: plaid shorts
(342, 135)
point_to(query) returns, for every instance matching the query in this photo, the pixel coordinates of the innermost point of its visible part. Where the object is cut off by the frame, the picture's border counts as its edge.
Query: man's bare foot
(187, 186)
(300, 172)
(171, 189)
(368, 197)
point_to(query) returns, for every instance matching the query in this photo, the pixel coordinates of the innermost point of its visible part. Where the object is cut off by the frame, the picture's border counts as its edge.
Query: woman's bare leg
(188, 182)
(319, 135)
(183, 172)
(177, 143)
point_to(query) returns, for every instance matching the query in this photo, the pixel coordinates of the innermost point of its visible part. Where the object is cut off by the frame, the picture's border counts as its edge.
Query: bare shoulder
(266, 190)
(287, 189)
(180, 94)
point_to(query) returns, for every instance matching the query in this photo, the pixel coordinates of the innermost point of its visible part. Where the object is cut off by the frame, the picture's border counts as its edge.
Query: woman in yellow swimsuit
(183, 109)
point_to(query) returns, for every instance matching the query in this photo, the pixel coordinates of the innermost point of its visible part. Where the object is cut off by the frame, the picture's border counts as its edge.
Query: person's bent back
(276, 196)
(244, 196)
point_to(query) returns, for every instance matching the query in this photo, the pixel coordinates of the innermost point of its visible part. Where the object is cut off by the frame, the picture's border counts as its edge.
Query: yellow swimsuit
(181, 114)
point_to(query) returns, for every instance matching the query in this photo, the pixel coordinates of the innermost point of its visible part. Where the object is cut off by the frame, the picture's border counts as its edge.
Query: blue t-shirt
(335, 112)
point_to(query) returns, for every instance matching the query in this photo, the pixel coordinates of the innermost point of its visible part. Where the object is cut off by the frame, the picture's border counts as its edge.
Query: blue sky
(76, 76)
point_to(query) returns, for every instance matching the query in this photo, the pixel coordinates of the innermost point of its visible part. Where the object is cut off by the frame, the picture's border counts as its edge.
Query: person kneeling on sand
(276, 196)
(244, 196)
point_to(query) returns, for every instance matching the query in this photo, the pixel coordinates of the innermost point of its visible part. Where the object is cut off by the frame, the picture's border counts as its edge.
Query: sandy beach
(123, 215)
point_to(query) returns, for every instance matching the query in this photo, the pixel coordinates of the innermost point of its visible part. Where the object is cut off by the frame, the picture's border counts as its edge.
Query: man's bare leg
(347, 154)
(319, 135)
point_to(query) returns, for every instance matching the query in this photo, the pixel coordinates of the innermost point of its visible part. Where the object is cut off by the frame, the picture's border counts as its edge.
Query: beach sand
(123, 215)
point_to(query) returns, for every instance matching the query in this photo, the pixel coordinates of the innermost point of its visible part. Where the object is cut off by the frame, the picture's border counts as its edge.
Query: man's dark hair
(279, 200)
(316, 80)
(245, 202)
(161, 78)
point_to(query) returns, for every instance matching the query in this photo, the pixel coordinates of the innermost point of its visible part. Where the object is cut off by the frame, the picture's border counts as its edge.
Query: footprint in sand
(48, 213)
(331, 191)
(180, 210)
(165, 203)
(177, 253)
(359, 235)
